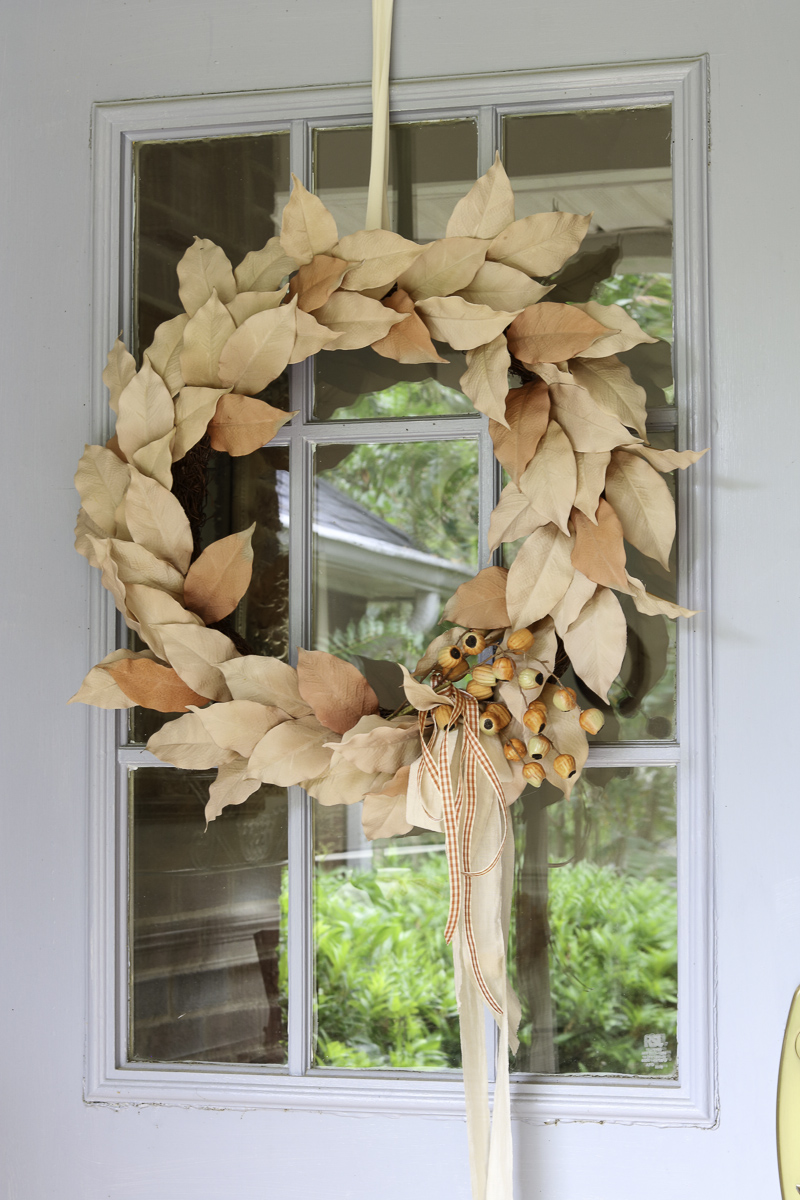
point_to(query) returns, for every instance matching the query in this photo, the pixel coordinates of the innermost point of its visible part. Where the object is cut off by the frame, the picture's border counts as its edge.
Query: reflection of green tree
(383, 632)
(648, 299)
(425, 398)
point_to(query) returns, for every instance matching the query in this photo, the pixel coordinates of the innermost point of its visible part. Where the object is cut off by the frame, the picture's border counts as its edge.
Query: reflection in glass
(207, 981)
(352, 384)
(395, 533)
(594, 945)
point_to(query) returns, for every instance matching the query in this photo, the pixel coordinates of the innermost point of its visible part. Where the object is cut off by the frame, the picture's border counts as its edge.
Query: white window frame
(691, 1100)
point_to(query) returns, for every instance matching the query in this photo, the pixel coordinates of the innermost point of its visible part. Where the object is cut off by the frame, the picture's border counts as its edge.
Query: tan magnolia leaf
(136, 564)
(267, 681)
(259, 350)
(240, 724)
(356, 319)
(217, 580)
(564, 730)
(203, 340)
(614, 317)
(146, 411)
(539, 576)
(527, 412)
(100, 689)
(462, 325)
(596, 640)
(291, 752)
(480, 603)
(230, 787)
(378, 746)
(194, 408)
(315, 282)
(109, 577)
(431, 655)
(589, 428)
(667, 460)
(87, 532)
(599, 548)
(551, 333)
(642, 501)
(384, 812)
(242, 424)
(343, 783)
(591, 482)
(545, 646)
(578, 594)
(102, 481)
(539, 244)
(513, 518)
(338, 693)
(264, 270)
(196, 654)
(153, 609)
(487, 208)
(421, 695)
(119, 371)
(165, 350)
(156, 520)
(485, 380)
(408, 342)
(550, 480)
(247, 304)
(113, 445)
(609, 383)
(376, 256)
(153, 685)
(155, 459)
(504, 287)
(444, 267)
(307, 228)
(653, 606)
(185, 742)
(311, 337)
(204, 268)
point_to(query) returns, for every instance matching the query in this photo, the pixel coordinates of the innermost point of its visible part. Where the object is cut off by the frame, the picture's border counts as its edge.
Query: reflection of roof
(338, 513)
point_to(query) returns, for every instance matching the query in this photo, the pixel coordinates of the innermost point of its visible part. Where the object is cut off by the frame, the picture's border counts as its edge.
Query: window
(372, 505)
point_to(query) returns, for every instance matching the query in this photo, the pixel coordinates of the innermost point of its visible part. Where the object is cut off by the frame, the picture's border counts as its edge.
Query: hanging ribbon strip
(378, 195)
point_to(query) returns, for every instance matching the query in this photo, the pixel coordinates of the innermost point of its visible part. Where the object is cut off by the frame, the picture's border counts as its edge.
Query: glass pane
(594, 947)
(385, 996)
(208, 973)
(352, 384)
(617, 165)
(395, 533)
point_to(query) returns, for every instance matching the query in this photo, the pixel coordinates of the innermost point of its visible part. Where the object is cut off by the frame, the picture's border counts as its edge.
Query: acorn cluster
(454, 664)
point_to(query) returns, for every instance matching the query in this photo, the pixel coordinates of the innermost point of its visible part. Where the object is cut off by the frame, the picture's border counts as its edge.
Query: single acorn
(499, 712)
(442, 715)
(520, 641)
(534, 772)
(564, 699)
(514, 750)
(564, 766)
(452, 663)
(534, 719)
(489, 724)
(592, 720)
(539, 746)
(473, 642)
(481, 691)
(503, 668)
(530, 678)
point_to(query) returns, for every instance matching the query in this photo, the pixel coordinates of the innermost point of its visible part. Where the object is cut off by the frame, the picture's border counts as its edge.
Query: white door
(79, 1121)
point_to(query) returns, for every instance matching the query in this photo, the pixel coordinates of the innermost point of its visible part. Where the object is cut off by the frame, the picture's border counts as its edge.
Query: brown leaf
(539, 244)
(242, 424)
(247, 304)
(311, 337)
(259, 350)
(196, 654)
(377, 746)
(578, 594)
(316, 281)
(514, 517)
(443, 267)
(480, 603)
(539, 576)
(551, 333)
(614, 317)
(153, 685)
(462, 325)
(485, 380)
(487, 208)
(667, 460)
(408, 342)
(266, 680)
(338, 693)
(155, 459)
(119, 371)
(204, 268)
(185, 742)
(550, 480)
(217, 580)
(599, 549)
(384, 813)
(307, 228)
(596, 640)
(164, 351)
(356, 319)
(527, 414)
(642, 501)
(203, 340)
(194, 408)
(503, 287)
(145, 411)
(102, 480)
(430, 657)
(291, 752)
(156, 520)
(240, 724)
(377, 258)
(230, 787)
(591, 482)
(589, 428)
(100, 689)
(264, 270)
(609, 383)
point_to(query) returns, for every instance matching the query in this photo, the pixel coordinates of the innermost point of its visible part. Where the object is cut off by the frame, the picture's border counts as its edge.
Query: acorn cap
(564, 766)
(520, 641)
(504, 668)
(592, 720)
(473, 642)
(500, 712)
(481, 691)
(534, 719)
(484, 674)
(514, 750)
(534, 772)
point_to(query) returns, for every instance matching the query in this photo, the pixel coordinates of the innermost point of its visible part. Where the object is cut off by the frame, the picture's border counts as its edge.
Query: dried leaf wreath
(492, 715)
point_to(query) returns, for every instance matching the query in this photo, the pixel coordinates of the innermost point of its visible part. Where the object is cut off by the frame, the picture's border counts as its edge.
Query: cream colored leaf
(203, 269)
(110, 579)
(589, 428)
(431, 655)
(247, 304)
(155, 459)
(485, 380)
(264, 270)
(315, 282)
(307, 228)
(156, 520)
(545, 646)
(462, 325)
(153, 609)
(146, 411)
(578, 594)
(100, 689)
(194, 408)
(504, 287)
(551, 333)
(375, 745)
(311, 337)
(539, 244)
(409, 341)
(550, 480)
(119, 371)
(102, 481)
(338, 693)
(153, 685)
(384, 813)
(267, 681)
(614, 317)
(136, 564)
(203, 340)
(564, 731)
(86, 532)
(609, 383)
(444, 267)
(596, 640)
(242, 424)
(487, 208)
(165, 350)
(217, 580)
(642, 501)
(653, 606)
(377, 258)
(240, 724)
(230, 787)
(291, 752)
(357, 320)
(527, 412)
(343, 783)
(599, 549)
(421, 695)
(591, 482)
(480, 603)
(667, 460)
(259, 350)
(196, 654)
(185, 742)
(539, 576)
(513, 518)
